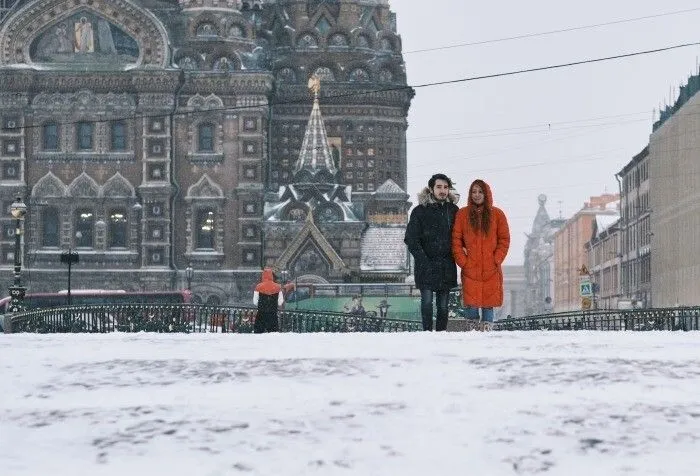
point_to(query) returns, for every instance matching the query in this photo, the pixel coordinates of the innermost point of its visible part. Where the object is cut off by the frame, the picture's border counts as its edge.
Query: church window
(323, 25)
(187, 63)
(360, 187)
(118, 135)
(206, 30)
(50, 136)
(385, 76)
(370, 187)
(236, 31)
(49, 227)
(286, 75)
(117, 228)
(325, 73)
(206, 138)
(363, 41)
(339, 40)
(204, 229)
(84, 226)
(307, 41)
(84, 131)
(359, 75)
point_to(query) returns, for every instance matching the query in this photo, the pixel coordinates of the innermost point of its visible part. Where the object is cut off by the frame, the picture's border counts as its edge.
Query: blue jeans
(486, 313)
(426, 309)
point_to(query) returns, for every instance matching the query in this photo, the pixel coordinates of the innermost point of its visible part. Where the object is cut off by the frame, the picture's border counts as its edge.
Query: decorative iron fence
(190, 318)
(662, 319)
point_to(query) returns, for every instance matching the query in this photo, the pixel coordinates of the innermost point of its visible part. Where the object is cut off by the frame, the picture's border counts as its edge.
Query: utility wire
(539, 126)
(396, 88)
(553, 32)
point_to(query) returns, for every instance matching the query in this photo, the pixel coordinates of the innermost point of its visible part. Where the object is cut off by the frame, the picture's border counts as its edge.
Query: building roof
(635, 160)
(389, 188)
(603, 222)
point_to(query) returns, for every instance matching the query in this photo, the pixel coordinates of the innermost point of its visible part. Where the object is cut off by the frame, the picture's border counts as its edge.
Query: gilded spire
(315, 154)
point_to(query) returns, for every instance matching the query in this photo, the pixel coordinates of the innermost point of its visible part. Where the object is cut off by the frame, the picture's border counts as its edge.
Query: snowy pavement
(584, 403)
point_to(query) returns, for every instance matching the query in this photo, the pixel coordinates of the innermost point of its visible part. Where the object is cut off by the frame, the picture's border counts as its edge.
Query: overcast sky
(564, 132)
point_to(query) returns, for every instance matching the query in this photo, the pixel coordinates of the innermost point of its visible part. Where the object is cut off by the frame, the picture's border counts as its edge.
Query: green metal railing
(660, 319)
(191, 318)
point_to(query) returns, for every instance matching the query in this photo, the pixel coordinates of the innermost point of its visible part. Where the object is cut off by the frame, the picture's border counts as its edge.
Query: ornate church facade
(152, 135)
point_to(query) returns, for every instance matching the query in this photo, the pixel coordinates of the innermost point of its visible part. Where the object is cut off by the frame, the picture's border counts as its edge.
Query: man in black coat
(429, 239)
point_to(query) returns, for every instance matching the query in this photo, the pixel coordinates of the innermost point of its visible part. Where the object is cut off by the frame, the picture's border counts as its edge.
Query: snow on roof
(603, 222)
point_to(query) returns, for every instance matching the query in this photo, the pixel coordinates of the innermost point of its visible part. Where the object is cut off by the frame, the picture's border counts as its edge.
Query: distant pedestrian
(428, 239)
(480, 242)
(268, 297)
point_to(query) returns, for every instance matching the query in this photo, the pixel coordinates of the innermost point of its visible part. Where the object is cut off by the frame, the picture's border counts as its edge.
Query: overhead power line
(557, 66)
(396, 88)
(553, 32)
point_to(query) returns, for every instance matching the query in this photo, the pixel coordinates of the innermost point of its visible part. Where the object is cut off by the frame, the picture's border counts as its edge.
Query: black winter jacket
(429, 239)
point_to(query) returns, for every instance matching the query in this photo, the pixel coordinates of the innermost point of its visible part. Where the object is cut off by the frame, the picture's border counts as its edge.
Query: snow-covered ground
(488, 404)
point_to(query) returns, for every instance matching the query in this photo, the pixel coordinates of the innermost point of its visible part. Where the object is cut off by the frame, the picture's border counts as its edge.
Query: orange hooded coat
(267, 284)
(482, 277)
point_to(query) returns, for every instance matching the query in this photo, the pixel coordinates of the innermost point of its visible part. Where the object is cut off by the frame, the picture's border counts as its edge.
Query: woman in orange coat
(480, 241)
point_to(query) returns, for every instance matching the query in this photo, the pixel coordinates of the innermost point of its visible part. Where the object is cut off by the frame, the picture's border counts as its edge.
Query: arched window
(50, 136)
(236, 31)
(325, 73)
(307, 41)
(286, 75)
(187, 63)
(206, 138)
(117, 228)
(205, 228)
(363, 41)
(50, 227)
(359, 75)
(84, 226)
(338, 39)
(118, 135)
(206, 30)
(386, 76)
(84, 131)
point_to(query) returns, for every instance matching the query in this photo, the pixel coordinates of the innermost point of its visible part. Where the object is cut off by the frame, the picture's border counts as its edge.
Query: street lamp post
(17, 291)
(69, 257)
(189, 274)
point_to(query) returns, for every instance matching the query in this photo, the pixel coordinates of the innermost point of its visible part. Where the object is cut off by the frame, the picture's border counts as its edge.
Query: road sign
(586, 288)
(586, 303)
